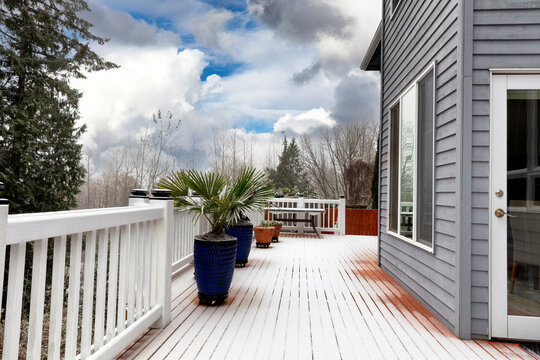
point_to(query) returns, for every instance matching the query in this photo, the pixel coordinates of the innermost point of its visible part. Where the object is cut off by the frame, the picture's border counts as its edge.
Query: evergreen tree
(290, 171)
(43, 44)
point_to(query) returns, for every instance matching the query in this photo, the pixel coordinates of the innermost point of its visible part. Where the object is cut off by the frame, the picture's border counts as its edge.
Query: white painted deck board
(308, 298)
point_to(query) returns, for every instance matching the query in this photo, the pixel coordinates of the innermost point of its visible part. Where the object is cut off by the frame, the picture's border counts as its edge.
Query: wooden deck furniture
(305, 298)
(309, 215)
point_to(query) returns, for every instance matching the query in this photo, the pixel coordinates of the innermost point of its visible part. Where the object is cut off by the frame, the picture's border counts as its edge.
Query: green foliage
(375, 181)
(221, 201)
(290, 172)
(43, 44)
(266, 224)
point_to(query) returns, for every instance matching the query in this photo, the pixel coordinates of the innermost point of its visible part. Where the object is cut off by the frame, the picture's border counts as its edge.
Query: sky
(260, 68)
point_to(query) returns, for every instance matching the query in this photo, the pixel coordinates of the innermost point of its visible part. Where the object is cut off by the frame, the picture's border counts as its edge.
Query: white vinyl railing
(99, 279)
(332, 220)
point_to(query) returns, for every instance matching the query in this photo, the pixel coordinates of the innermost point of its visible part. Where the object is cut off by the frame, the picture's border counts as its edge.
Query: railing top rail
(284, 200)
(321, 201)
(28, 227)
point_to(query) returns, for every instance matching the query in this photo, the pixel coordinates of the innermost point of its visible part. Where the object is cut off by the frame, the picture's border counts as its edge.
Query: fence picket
(37, 299)
(101, 287)
(12, 325)
(73, 296)
(147, 261)
(132, 274)
(57, 297)
(88, 294)
(113, 282)
(123, 279)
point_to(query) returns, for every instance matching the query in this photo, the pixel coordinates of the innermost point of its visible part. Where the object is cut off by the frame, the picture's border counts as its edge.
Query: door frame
(503, 325)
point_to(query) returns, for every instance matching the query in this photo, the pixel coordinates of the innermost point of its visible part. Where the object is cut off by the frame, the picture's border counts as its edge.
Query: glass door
(515, 206)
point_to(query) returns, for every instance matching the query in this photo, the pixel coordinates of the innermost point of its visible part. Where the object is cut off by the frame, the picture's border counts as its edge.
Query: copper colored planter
(277, 229)
(263, 236)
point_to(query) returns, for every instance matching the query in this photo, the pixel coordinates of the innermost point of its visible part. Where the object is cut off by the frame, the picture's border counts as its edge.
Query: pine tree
(290, 171)
(43, 44)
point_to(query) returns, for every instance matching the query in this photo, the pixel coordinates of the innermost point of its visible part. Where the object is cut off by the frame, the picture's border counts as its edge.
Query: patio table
(309, 215)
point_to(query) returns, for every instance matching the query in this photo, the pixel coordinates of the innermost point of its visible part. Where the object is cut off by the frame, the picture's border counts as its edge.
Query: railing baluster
(88, 294)
(57, 297)
(113, 282)
(154, 257)
(140, 271)
(122, 279)
(147, 256)
(101, 288)
(72, 321)
(37, 300)
(12, 325)
(132, 274)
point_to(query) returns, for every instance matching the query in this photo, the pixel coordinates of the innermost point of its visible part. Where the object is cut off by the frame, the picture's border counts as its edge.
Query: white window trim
(414, 241)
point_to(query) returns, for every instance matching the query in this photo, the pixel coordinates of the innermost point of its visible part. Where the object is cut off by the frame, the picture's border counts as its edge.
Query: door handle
(500, 213)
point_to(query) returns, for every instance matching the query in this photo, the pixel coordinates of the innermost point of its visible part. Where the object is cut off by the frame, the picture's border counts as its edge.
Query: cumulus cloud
(340, 30)
(301, 20)
(117, 103)
(208, 29)
(122, 28)
(306, 122)
(356, 97)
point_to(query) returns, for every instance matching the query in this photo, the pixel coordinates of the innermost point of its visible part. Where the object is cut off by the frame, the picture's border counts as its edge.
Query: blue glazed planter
(214, 268)
(244, 234)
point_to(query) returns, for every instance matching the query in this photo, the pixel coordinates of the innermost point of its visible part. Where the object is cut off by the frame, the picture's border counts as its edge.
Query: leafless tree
(232, 151)
(328, 156)
(134, 165)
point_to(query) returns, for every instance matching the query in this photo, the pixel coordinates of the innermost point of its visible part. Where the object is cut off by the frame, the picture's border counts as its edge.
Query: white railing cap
(29, 227)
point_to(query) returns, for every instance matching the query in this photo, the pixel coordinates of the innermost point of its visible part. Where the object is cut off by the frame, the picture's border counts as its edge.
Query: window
(411, 163)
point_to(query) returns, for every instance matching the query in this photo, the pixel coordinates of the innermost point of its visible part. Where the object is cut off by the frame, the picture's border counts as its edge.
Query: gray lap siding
(506, 34)
(416, 35)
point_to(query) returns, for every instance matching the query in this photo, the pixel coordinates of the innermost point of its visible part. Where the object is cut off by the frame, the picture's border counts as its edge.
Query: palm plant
(221, 201)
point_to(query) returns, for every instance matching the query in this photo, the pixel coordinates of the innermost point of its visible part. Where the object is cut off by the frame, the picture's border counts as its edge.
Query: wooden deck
(309, 298)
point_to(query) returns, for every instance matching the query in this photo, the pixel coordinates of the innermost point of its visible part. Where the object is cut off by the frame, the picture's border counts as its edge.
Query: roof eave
(372, 59)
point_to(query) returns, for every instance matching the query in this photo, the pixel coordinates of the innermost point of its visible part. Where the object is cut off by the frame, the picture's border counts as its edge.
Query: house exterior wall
(414, 36)
(506, 34)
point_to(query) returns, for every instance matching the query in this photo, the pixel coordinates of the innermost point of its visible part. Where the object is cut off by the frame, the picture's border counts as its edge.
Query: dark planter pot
(244, 233)
(214, 268)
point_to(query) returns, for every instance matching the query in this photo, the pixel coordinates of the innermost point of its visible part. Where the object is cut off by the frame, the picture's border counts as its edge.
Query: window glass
(406, 166)
(425, 160)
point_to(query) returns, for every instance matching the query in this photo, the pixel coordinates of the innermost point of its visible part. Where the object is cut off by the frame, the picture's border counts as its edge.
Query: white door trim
(503, 325)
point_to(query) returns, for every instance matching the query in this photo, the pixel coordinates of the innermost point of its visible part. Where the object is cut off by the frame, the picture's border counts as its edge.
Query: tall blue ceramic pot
(214, 268)
(244, 233)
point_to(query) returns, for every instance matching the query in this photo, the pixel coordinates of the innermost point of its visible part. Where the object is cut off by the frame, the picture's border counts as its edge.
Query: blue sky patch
(220, 68)
(231, 5)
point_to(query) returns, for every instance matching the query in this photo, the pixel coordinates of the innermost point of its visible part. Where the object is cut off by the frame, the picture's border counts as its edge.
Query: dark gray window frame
(391, 179)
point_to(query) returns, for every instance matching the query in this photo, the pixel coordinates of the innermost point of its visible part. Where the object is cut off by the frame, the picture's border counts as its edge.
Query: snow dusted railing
(108, 272)
(332, 220)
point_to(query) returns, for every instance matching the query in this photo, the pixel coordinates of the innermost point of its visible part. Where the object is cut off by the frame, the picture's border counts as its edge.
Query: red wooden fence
(361, 222)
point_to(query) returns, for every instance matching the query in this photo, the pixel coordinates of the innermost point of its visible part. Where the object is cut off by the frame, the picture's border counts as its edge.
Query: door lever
(500, 213)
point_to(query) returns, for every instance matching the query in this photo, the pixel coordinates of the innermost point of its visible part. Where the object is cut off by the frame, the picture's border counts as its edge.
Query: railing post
(341, 215)
(164, 255)
(4, 207)
(138, 197)
(301, 204)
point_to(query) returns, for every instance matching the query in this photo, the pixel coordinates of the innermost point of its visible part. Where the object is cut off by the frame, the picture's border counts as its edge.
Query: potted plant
(243, 232)
(263, 234)
(277, 229)
(221, 202)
